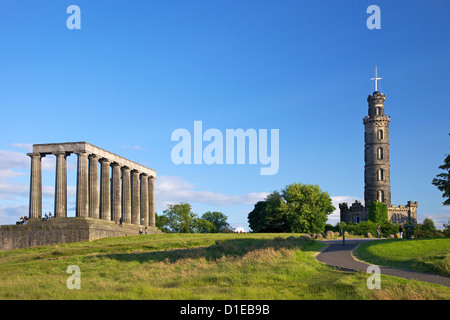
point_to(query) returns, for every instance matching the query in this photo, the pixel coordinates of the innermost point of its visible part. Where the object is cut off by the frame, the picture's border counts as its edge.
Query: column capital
(93, 156)
(40, 155)
(60, 153)
(82, 154)
(105, 160)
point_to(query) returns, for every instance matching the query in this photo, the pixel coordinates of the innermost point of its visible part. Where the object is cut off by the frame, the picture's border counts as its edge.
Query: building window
(380, 153)
(380, 134)
(380, 175)
(377, 111)
(380, 195)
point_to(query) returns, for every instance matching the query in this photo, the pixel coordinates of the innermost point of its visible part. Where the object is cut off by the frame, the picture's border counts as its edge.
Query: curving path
(340, 256)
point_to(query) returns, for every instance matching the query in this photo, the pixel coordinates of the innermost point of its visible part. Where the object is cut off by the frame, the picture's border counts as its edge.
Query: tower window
(380, 175)
(377, 111)
(380, 153)
(380, 195)
(380, 134)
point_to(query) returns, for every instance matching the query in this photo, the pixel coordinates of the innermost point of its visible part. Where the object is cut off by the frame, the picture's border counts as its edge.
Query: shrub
(362, 228)
(388, 228)
(378, 212)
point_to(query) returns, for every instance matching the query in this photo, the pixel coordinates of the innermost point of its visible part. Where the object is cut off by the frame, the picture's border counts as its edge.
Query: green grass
(426, 255)
(193, 266)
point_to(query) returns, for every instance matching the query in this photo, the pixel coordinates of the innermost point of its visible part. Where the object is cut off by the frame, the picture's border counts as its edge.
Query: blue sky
(138, 70)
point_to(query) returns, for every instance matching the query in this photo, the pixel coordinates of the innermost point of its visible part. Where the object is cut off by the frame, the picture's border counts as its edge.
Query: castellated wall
(396, 214)
(64, 230)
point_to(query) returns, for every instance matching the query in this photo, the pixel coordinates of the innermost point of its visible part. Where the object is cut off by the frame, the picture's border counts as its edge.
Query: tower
(377, 179)
(377, 176)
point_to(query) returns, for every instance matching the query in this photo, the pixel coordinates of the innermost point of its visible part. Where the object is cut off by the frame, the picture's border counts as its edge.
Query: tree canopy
(180, 218)
(442, 180)
(296, 208)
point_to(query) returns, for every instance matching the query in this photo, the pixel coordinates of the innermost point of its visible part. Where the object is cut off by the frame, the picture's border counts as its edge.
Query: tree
(442, 180)
(307, 207)
(268, 216)
(428, 224)
(378, 212)
(180, 218)
(297, 208)
(161, 222)
(218, 220)
(202, 226)
(256, 218)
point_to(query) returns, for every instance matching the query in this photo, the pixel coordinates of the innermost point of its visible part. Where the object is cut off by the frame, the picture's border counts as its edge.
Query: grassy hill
(425, 255)
(193, 266)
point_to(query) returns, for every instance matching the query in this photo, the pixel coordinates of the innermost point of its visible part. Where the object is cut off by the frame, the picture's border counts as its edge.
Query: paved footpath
(340, 256)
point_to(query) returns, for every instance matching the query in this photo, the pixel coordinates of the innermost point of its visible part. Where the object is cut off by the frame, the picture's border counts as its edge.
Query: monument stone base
(64, 230)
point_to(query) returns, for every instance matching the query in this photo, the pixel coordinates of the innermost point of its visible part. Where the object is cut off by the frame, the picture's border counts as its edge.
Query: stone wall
(64, 230)
(396, 214)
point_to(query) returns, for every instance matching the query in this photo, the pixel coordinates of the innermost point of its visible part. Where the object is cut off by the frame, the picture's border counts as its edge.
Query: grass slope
(193, 266)
(426, 255)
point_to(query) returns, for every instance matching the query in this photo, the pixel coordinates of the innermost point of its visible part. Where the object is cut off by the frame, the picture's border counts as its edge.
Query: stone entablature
(84, 147)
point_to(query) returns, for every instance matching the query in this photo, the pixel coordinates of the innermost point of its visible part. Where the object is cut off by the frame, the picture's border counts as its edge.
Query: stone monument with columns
(117, 200)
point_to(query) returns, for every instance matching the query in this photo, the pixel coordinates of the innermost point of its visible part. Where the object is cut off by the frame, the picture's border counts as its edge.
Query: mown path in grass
(193, 266)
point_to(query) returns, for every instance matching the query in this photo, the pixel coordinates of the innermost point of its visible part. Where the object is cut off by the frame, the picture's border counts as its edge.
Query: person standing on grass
(400, 231)
(378, 231)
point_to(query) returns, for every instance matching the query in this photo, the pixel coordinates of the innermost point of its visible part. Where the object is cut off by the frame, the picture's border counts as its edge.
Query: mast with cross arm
(376, 79)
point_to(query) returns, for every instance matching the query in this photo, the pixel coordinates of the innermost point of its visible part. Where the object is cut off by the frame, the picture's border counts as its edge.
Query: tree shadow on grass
(228, 248)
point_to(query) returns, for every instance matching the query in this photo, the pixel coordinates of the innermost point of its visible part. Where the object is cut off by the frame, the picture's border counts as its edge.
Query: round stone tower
(377, 178)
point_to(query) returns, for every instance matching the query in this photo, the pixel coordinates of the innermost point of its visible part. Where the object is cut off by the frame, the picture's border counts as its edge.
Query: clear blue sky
(138, 70)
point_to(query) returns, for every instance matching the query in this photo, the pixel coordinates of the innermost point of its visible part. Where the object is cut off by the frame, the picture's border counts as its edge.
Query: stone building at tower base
(396, 214)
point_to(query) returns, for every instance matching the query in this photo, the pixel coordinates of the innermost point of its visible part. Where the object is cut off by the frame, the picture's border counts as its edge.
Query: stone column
(151, 201)
(61, 186)
(82, 209)
(135, 201)
(126, 194)
(116, 212)
(94, 202)
(144, 199)
(35, 209)
(105, 190)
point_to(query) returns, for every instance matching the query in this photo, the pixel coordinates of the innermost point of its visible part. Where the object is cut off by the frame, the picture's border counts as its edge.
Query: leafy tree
(180, 218)
(257, 218)
(447, 229)
(428, 224)
(218, 220)
(378, 212)
(307, 207)
(202, 226)
(442, 180)
(161, 222)
(297, 208)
